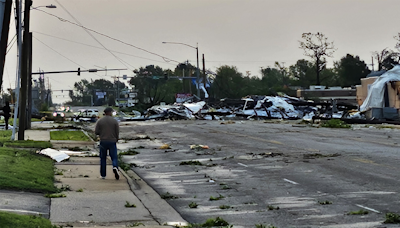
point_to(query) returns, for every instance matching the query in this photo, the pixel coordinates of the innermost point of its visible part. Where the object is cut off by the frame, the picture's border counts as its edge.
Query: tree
(84, 91)
(350, 70)
(302, 73)
(386, 59)
(150, 84)
(317, 47)
(274, 79)
(228, 83)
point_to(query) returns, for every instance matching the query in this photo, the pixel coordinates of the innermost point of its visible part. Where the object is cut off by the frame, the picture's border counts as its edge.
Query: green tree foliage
(350, 70)
(84, 91)
(302, 73)
(274, 80)
(229, 82)
(317, 47)
(151, 85)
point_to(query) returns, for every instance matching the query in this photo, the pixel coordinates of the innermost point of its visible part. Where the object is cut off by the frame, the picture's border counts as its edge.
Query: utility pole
(24, 73)
(29, 115)
(19, 37)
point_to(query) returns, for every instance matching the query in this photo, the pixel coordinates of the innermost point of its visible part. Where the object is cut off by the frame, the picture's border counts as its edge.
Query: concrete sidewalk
(92, 201)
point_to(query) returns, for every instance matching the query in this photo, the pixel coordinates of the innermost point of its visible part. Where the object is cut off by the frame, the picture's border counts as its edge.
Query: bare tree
(386, 58)
(316, 46)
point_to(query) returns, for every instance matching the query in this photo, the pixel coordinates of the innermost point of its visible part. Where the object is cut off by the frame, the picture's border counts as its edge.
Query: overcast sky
(248, 34)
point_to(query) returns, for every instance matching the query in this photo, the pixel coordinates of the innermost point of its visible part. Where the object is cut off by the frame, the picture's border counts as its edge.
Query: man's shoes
(103, 178)
(116, 173)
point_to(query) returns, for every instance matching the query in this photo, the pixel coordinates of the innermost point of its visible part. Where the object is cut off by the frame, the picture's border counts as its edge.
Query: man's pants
(112, 148)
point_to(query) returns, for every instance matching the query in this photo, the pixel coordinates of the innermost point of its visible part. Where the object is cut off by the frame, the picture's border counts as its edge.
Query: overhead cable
(112, 38)
(90, 34)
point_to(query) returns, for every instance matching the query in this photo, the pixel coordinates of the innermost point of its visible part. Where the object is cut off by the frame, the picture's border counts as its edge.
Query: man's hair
(108, 110)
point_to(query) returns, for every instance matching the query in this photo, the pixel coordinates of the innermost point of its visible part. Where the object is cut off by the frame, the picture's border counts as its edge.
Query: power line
(64, 56)
(12, 42)
(115, 39)
(92, 46)
(91, 35)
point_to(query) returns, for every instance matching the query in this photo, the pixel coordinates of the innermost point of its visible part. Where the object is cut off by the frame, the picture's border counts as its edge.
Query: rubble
(250, 107)
(56, 155)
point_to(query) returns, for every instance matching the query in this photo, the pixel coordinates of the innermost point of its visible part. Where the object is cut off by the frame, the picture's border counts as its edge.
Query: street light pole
(197, 70)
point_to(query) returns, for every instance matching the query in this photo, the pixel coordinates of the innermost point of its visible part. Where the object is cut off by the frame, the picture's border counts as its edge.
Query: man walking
(108, 130)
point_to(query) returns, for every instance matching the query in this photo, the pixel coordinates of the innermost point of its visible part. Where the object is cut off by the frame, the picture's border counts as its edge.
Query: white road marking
(368, 208)
(243, 164)
(292, 182)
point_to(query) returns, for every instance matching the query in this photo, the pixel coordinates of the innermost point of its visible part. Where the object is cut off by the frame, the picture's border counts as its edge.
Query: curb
(161, 211)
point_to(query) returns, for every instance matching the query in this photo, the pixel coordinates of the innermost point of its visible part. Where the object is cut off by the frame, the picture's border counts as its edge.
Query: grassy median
(25, 170)
(68, 135)
(10, 220)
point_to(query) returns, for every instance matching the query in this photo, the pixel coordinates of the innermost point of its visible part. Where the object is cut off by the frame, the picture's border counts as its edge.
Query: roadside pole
(19, 9)
(24, 73)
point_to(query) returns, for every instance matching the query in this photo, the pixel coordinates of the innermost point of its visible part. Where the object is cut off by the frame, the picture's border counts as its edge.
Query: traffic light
(79, 71)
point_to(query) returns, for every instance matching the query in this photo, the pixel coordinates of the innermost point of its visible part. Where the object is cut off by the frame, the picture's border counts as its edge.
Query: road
(257, 167)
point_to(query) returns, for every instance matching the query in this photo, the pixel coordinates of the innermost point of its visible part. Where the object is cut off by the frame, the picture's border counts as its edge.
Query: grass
(64, 188)
(68, 135)
(127, 204)
(392, 218)
(26, 170)
(360, 212)
(124, 166)
(213, 198)
(335, 123)
(190, 163)
(264, 226)
(326, 202)
(168, 196)
(225, 187)
(79, 190)
(129, 152)
(193, 205)
(28, 144)
(223, 207)
(135, 224)
(58, 171)
(55, 195)
(217, 222)
(271, 208)
(26, 221)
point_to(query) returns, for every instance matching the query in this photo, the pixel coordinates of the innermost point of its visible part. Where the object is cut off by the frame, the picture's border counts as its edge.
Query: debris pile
(250, 107)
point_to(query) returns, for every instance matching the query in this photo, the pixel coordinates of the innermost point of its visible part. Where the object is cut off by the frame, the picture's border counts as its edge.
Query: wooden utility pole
(24, 73)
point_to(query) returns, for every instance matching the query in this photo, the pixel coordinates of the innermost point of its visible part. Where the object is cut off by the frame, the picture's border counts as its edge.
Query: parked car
(87, 115)
(58, 116)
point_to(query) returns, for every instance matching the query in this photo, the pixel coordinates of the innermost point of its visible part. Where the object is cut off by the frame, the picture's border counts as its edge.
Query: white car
(87, 113)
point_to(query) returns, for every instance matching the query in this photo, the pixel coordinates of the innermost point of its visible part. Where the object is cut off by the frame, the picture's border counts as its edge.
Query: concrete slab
(160, 209)
(38, 135)
(59, 144)
(87, 177)
(84, 161)
(98, 207)
(24, 203)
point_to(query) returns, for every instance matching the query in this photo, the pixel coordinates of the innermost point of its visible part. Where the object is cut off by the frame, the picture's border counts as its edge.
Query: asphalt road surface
(283, 174)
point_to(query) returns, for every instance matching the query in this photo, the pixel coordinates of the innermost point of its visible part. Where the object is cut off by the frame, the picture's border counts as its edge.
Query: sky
(247, 34)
